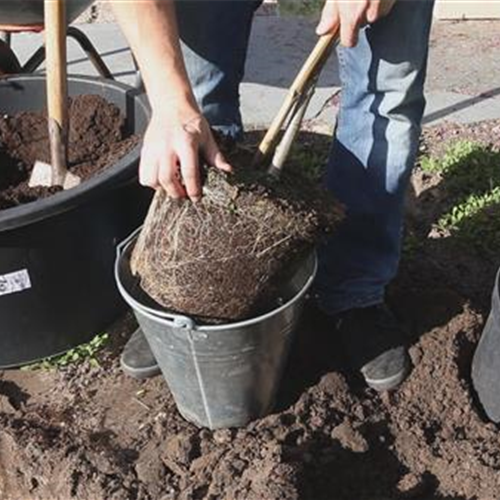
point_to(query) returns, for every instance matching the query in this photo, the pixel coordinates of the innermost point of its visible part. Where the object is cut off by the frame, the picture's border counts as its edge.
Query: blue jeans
(214, 37)
(376, 139)
(373, 153)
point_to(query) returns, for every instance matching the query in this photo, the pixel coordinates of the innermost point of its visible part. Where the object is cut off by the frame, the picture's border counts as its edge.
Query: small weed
(300, 7)
(472, 206)
(467, 167)
(471, 178)
(310, 159)
(456, 153)
(80, 354)
(476, 221)
(412, 244)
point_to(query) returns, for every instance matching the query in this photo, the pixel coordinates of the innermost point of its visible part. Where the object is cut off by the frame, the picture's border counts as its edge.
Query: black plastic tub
(56, 255)
(30, 12)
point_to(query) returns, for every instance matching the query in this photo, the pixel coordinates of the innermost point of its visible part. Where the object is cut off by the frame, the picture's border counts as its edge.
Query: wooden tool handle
(312, 65)
(55, 44)
(57, 91)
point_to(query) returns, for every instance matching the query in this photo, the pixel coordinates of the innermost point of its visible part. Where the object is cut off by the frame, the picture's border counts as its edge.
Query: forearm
(151, 29)
(177, 132)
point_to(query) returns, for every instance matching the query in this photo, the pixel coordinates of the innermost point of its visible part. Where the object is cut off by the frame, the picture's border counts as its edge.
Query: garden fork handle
(309, 70)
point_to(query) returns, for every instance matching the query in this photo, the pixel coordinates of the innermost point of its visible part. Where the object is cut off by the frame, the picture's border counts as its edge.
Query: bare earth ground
(90, 433)
(454, 64)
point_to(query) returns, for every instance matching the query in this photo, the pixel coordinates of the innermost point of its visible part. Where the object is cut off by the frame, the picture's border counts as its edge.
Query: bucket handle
(178, 320)
(120, 248)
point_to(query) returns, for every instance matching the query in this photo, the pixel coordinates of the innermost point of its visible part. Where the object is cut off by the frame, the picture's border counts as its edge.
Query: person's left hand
(351, 15)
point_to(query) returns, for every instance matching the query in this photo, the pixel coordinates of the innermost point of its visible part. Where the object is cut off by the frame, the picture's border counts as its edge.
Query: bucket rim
(183, 321)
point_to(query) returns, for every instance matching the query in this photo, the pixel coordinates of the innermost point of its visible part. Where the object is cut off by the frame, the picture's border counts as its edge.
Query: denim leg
(214, 35)
(372, 155)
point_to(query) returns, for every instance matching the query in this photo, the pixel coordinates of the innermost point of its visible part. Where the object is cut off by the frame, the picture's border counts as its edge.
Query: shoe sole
(140, 373)
(389, 383)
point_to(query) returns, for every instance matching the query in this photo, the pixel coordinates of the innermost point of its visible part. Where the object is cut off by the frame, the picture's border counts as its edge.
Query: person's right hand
(350, 16)
(171, 154)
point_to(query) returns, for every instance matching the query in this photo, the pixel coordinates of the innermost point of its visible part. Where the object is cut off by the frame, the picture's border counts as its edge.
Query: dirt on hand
(97, 140)
(218, 258)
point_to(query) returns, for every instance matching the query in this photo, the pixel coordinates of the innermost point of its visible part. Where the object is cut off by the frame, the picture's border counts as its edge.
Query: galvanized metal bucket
(220, 375)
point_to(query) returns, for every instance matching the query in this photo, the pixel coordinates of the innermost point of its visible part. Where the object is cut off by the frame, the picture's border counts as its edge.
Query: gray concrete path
(460, 87)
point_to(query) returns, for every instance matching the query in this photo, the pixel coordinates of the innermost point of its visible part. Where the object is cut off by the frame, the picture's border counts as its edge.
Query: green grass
(470, 175)
(455, 154)
(471, 207)
(301, 7)
(467, 167)
(85, 353)
(310, 158)
(476, 222)
(412, 244)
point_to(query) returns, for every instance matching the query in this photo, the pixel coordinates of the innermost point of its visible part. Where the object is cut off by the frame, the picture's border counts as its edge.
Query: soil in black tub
(97, 140)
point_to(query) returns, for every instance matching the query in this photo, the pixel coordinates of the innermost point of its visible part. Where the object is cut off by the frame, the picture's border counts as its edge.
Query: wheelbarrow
(27, 15)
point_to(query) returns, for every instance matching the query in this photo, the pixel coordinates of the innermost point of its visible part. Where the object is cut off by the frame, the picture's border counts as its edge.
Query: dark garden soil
(90, 433)
(97, 140)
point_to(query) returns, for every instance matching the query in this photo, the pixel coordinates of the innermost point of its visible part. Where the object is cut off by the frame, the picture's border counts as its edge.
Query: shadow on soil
(14, 394)
(437, 277)
(454, 220)
(440, 276)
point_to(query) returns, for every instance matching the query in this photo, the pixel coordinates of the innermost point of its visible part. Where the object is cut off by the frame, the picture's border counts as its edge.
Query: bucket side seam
(200, 379)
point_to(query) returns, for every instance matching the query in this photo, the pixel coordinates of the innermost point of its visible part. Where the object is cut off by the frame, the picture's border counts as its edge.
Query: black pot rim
(63, 201)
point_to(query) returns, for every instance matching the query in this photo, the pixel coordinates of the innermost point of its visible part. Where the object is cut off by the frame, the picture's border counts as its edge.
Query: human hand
(351, 15)
(171, 151)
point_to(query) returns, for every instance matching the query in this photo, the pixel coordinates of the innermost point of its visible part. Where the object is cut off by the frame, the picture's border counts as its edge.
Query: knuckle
(166, 173)
(353, 21)
(189, 169)
(190, 181)
(190, 177)
(165, 180)
(171, 189)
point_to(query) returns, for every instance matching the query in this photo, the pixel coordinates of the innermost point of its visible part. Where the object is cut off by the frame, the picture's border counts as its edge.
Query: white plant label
(14, 282)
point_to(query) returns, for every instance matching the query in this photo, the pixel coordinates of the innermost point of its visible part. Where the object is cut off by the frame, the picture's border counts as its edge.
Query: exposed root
(216, 258)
